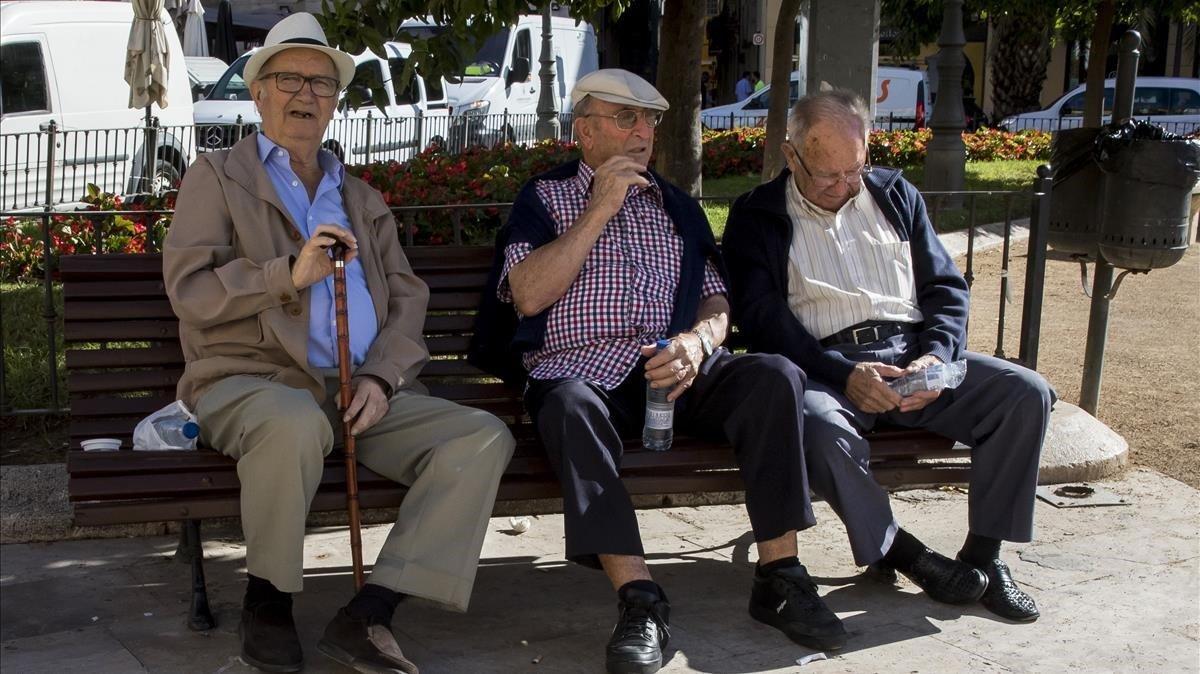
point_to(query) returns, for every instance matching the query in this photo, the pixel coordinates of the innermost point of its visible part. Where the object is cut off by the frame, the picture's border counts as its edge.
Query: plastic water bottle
(660, 415)
(177, 431)
(933, 378)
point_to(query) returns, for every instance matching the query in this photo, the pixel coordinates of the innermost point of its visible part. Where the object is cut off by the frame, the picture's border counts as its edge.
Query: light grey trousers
(1000, 411)
(451, 458)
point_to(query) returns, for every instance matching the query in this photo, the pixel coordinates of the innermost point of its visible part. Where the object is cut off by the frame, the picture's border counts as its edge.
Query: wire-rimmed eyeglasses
(627, 118)
(824, 180)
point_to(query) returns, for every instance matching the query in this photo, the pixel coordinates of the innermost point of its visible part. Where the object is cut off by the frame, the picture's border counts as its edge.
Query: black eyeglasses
(824, 180)
(627, 119)
(292, 83)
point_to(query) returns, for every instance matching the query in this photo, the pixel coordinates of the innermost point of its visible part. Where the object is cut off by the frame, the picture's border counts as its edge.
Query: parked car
(411, 118)
(65, 62)
(498, 95)
(203, 73)
(901, 101)
(1173, 102)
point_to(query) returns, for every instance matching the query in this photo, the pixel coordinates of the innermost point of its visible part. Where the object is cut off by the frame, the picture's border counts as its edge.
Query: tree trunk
(678, 139)
(781, 84)
(1097, 57)
(1022, 51)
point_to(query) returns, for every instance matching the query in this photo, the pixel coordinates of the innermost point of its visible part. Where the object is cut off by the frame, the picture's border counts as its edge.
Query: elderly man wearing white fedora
(599, 258)
(248, 271)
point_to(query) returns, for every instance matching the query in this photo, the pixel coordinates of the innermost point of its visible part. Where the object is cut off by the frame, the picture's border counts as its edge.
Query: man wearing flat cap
(248, 271)
(600, 258)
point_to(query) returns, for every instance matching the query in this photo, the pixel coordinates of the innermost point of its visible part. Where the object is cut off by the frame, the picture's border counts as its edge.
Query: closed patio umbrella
(195, 37)
(224, 47)
(147, 60)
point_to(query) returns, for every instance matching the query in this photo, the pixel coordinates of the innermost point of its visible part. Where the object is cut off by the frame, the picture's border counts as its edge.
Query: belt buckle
(871, 330)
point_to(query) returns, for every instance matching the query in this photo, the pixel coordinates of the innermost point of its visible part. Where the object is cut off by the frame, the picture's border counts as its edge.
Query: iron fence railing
(1052, 124)
(735, 120)
(474, 223)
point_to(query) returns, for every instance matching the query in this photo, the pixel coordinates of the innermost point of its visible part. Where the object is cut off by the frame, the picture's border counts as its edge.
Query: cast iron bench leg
(199, 615)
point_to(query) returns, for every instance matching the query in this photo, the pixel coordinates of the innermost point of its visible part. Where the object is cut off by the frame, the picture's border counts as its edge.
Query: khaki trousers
(450, 457)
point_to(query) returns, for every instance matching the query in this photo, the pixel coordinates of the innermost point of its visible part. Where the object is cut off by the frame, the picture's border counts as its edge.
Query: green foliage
(22, 245)
(355, 25)
(26, 380)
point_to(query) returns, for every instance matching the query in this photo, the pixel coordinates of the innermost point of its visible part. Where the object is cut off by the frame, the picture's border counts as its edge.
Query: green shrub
(26, 369)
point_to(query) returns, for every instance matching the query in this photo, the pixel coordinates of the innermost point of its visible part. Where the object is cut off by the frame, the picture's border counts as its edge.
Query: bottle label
(660, 417)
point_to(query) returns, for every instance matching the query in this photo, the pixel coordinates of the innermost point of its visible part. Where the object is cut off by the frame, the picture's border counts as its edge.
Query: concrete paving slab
(1117, 588)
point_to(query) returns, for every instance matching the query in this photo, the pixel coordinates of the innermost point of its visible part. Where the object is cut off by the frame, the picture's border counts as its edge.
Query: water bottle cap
(191, 430)
(662, 344)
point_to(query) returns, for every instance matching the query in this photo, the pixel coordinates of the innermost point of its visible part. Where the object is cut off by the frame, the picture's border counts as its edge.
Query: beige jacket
(226, 263)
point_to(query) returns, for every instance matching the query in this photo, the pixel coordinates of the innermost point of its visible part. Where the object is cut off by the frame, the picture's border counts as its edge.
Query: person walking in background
(745, 87)
(759, 85)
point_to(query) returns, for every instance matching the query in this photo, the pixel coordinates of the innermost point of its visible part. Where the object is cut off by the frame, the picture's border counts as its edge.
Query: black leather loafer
(946, 580)
(787, 600)
(1004, 597)
(364, 646)
(269, 638)
(640, 635)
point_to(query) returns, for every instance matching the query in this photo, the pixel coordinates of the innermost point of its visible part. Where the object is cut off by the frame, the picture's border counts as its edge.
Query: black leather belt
(867, 332)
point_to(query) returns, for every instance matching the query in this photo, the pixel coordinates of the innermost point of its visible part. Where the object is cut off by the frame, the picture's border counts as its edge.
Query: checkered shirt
(625, 293)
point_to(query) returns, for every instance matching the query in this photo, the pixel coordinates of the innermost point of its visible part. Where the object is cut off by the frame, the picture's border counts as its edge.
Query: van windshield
(488, 59)
(231, 86)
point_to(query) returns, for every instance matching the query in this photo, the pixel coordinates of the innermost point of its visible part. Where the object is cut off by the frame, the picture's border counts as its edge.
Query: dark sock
(374, 603)
(643, 585)
(260, 591)
(979, 550)
(904, 551)
(784, 563)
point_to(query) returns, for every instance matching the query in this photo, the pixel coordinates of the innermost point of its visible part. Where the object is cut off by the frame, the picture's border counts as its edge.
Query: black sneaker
(269, 638)
(364, 646)
(787, 600)
(949, 581)
(640, 635)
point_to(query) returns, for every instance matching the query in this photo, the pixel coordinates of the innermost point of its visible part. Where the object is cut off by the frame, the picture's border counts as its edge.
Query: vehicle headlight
(475, 108)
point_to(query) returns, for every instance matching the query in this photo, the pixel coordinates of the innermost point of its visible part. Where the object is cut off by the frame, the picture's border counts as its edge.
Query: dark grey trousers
(752, 401)
(1000, 411)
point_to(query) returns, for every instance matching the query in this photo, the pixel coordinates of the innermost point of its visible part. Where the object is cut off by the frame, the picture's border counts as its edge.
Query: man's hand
(919, 399)
(867, 390)
(314, 263)
(612, 182)
(367, 406)
(675, 366)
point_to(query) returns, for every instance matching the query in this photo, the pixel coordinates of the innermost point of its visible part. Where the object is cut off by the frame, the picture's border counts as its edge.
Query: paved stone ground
(1118, 588)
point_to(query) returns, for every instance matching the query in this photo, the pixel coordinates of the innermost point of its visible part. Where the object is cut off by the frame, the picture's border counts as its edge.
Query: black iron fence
(738, 120)
(1182, 126)
(475, 223)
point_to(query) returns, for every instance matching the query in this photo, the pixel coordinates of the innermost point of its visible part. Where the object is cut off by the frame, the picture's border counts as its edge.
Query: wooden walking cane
(343, 346)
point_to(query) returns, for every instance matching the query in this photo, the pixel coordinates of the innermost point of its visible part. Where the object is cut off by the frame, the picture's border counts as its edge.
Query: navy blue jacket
(758, 237)
(501, 337)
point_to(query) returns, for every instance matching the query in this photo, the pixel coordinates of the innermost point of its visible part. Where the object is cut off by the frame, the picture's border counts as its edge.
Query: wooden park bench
(123, 359)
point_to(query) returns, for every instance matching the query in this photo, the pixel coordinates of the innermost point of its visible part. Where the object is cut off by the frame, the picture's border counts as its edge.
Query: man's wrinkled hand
(368, 404)
(314, 262)
(676, 366)
(920, 399)
(612, 182)
(868, 391)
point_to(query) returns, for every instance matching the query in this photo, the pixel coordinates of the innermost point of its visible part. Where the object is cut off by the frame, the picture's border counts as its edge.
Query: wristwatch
(706, 344)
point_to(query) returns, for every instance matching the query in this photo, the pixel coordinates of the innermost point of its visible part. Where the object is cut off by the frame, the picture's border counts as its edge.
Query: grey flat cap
(618, 86)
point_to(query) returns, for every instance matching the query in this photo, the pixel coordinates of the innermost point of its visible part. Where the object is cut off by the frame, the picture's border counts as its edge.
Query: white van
(65, 61)
(1173, 102)
(902, 101)
(410, 120)
(498, 96)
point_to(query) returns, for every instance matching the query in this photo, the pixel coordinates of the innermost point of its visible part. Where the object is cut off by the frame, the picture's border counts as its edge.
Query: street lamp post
(547, 107)
(946, 156)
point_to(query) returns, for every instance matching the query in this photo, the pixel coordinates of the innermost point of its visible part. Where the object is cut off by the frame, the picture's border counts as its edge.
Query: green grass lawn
(26, 370)
(980, 176)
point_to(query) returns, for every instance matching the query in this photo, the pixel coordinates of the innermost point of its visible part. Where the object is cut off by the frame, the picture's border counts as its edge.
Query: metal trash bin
(1148, 180)
(1077, 195)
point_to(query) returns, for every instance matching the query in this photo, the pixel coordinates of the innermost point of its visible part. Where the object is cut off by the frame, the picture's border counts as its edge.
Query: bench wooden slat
(120, 331)
(447, 345)
(124, 382)
(82, 310)
(451, 368)
(449, 301)
(76, 268)
(456, 280)
(165, 355)
(113, 290)
(124, 407)
(451, 323)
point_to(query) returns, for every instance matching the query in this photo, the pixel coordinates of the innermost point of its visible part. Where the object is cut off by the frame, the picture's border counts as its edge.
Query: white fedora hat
(299, 31)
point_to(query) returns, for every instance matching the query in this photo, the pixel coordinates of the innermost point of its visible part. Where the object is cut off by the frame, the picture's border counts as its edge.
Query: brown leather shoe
(363, 646)
(269, 639)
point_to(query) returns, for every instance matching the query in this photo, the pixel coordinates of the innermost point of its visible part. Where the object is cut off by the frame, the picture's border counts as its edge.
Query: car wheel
(166, 176)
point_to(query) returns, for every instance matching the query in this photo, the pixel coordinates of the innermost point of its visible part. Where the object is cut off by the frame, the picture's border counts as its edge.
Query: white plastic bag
(172, 427)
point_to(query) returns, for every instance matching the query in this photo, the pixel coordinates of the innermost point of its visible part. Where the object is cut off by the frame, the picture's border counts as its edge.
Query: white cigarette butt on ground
(95, 618)
(524, 642)
(520, 524)
(810, 658)
(536, 660)
(148, 614)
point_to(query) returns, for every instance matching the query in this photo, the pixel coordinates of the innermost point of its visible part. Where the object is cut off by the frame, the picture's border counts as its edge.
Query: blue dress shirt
(326, 208)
